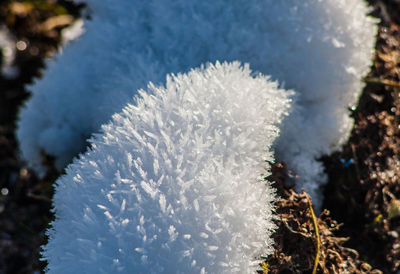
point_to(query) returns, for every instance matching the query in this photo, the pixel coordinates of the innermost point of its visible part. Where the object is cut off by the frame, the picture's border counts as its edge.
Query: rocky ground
(358, 232)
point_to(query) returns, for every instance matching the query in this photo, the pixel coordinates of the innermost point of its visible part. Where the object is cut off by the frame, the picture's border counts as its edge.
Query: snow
(72, 32)
(7, 51)
(320, 48)
(174, 183)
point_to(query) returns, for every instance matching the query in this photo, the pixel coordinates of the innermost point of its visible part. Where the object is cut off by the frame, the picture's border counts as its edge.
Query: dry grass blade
(318, 240)
(385, 82)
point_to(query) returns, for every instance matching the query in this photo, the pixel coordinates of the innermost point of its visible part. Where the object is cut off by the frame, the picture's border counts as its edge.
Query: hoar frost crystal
(174, 183)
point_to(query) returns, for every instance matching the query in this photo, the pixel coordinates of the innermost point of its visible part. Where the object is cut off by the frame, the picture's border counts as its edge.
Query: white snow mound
(174, 183)
(320, 48)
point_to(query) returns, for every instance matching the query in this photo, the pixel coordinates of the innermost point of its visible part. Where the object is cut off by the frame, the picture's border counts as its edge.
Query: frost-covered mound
(319, 48)
(174, 184)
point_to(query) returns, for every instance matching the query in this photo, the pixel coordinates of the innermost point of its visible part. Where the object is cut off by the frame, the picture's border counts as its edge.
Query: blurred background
(30, 32)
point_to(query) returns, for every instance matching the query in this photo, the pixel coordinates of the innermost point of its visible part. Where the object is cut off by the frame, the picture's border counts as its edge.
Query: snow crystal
(204, 209)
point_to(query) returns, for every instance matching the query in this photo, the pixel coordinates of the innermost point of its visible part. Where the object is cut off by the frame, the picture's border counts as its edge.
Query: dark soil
(364, 195)
(359, 228)
(296, 239)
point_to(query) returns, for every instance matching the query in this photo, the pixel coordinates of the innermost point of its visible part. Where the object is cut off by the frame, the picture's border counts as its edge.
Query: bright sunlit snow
(174, 183)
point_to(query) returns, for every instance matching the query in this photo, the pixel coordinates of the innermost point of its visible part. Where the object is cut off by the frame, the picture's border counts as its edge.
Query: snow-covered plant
(7, 52)
(174, 183)
(72, 32)
(320, 48)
